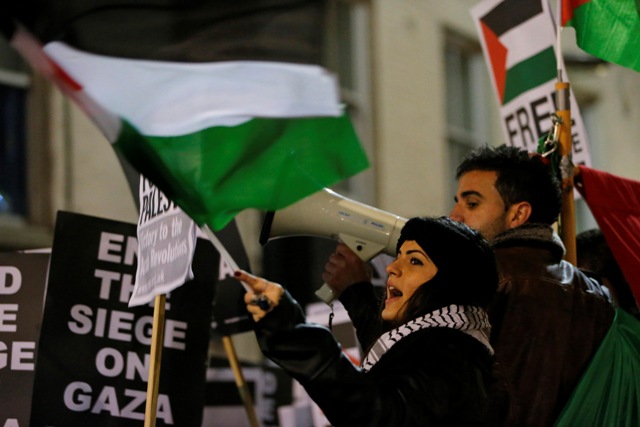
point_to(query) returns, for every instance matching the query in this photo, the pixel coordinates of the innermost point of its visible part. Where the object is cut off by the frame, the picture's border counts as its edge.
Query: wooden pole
(567, 214)
(228, 343)
(157, 337)
(240, 383)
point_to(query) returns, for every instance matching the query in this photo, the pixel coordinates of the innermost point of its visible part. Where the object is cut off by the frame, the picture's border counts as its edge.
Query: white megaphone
(366, 230)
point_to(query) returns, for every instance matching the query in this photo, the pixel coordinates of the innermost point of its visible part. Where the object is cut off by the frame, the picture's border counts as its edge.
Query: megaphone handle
(365, 251)
(325, 293)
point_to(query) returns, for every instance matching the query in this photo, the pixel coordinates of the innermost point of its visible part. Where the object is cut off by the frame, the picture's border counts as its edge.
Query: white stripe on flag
(529, 38)
(168, 99)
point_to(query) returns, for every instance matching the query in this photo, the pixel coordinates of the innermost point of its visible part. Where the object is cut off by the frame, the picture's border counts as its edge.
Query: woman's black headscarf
(466, 265)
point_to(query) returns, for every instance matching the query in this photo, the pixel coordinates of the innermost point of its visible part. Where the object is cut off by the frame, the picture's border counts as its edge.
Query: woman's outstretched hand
(264, 295)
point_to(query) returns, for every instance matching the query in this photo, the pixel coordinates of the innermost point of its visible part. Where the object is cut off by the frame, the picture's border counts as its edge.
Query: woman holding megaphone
(431, 364)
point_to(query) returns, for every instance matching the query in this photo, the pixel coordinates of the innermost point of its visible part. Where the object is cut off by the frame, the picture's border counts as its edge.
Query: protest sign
(166, 243)
(93, 357)
(230, 314)
(22, 286)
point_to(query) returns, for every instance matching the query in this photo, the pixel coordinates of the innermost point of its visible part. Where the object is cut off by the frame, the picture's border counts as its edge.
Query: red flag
(615, 204)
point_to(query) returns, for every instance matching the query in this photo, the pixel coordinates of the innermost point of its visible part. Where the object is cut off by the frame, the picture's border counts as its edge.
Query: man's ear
(518, 214)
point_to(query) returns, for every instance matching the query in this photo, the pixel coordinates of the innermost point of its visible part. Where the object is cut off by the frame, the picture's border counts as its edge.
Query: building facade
(415, 81)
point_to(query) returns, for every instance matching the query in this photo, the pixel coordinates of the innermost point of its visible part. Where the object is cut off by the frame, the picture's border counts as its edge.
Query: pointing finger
(257, 284)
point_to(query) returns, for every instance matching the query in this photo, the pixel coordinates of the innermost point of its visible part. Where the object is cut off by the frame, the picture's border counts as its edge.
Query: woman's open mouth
(393, 292)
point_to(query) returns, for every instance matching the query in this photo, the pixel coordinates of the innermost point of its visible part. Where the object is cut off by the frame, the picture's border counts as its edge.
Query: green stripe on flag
(264, 164)
(609, 30)
(531, 73)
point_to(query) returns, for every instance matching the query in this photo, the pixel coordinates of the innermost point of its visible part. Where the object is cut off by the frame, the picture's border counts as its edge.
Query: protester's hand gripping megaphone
(366, 230)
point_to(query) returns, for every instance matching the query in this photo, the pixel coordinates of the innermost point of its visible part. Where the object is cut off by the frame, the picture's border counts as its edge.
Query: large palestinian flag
(220, 104)
(607, 29)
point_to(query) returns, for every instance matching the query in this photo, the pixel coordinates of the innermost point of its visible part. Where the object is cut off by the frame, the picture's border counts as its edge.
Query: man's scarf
(469, 319)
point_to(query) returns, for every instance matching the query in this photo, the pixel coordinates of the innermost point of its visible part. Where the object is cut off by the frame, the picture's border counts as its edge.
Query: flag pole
(153, 383)
(240, 382)
(563, 113)
(567, 214)
(228, 344)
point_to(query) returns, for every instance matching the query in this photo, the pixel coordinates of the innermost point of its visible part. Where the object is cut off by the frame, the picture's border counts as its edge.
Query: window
(468, 100)
(25, 193)
(346, 53)
(13, 161)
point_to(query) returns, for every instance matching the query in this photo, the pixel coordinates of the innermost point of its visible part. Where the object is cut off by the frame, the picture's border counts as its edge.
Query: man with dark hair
(548, 318)
(499, 187)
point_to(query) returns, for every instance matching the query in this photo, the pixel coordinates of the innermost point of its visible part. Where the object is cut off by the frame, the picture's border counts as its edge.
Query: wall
(410, 100)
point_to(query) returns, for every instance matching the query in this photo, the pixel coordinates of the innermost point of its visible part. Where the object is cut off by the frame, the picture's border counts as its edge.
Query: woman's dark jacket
(547, 320)
(433, 377)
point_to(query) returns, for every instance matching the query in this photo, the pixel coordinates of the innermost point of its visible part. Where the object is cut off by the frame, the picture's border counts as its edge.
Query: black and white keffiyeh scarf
(469, 319)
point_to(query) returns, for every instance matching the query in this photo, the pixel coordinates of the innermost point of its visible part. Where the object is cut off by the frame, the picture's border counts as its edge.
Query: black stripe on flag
(511, 13)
